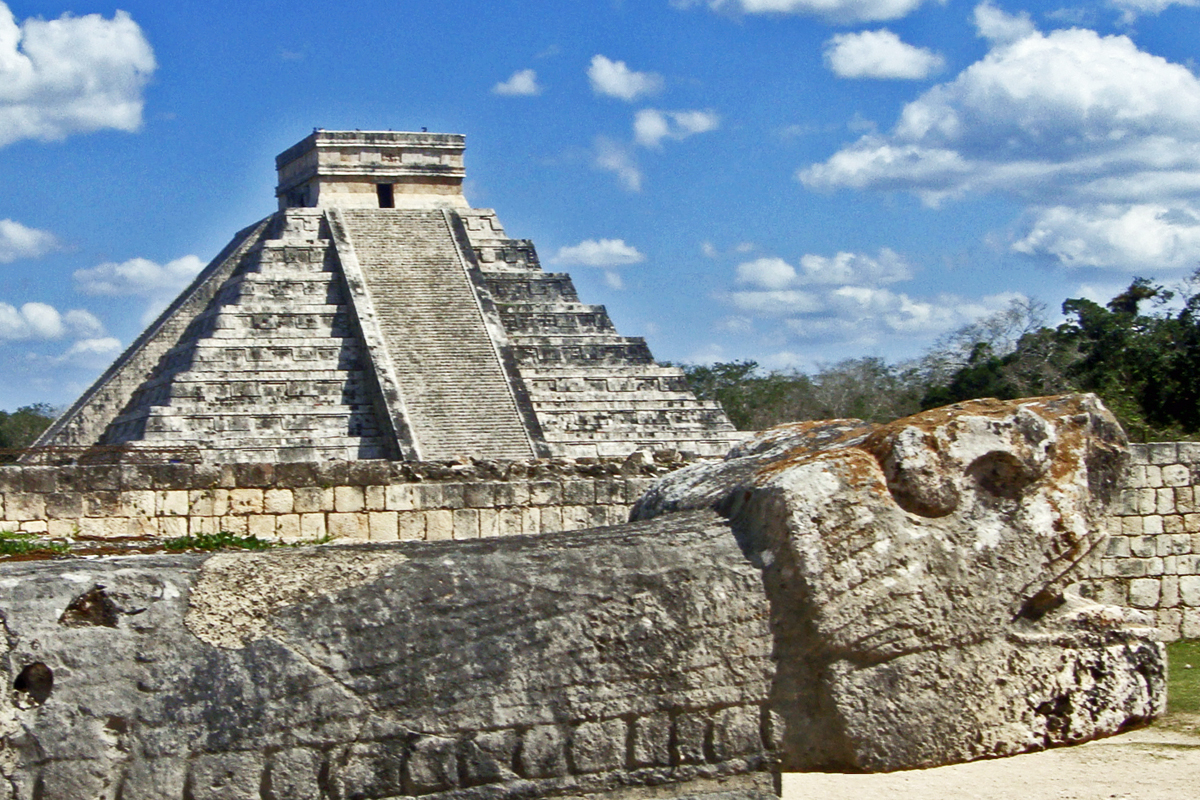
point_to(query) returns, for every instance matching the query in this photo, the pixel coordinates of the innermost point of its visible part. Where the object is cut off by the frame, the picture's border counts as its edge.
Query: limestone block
(371, 769)
(884, 535)
(34, 526)
(1173, 524)
(312, 527)
(508, 521)
(479, 495)
(287, 527)
(546, 493)
(1165, 501)
(294, 773)
(439, 525)
(199, 526)
(201, 502)
(69, 528)
(64, 506)
(1176, 475)
(531, 520)
(245, 501)
(383, 526)
(691, 733)
(174, 527)
(157, 779)
(1117, 547)
(1151, 477)
(410, 525)
(1170, 592)
(1144, 592)
(1162, 453)
(579, 493)
(1189, 590)
(737, 732)
(432, 765)
(311, 499)
(466, 523)
(348, 499)
(353, 526)
(544, 752)
(1169, 621)
(1189, 626)
(488, 757)
(1132, 526)
(225, 775)
(278, 501)
(375, 498)
(652, 741)
(237, 525)
(1185, 499)
(551, 519)
(1152, 525)
(402, 497)
(220, 502)
(1147, 501)
(261, 526)
(1143, 546)
(598, 746)
(1174, 544)
(137, 503)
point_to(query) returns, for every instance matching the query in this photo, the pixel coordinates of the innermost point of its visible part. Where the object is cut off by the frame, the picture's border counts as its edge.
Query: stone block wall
(1152, 557)
(353, 501)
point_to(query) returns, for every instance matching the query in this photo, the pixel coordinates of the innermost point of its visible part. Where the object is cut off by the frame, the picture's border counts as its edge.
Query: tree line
(1140, 352)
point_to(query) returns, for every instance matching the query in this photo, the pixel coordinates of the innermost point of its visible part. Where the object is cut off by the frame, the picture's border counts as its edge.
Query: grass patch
(1183, 684)
(218, 541)
(20, 544)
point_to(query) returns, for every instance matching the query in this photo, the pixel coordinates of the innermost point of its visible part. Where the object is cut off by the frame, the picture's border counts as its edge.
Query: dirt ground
(1161, 762)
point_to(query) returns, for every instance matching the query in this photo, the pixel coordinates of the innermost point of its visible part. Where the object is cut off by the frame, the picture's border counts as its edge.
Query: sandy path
(1158, 763)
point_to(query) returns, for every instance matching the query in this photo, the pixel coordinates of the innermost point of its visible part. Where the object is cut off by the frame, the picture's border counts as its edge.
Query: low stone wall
(353, 501)
(1152, 558)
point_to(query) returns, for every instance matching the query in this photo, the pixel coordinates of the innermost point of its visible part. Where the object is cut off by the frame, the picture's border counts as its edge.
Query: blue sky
(790, 181)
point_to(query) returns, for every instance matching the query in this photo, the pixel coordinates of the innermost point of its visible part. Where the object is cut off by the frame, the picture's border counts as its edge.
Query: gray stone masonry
(1152, 558)
(626, 662)
(377, 316)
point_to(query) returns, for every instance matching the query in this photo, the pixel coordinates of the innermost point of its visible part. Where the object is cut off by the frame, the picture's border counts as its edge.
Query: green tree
(21, 428)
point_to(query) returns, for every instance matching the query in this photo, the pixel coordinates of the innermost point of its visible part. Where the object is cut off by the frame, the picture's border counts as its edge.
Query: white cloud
(1079, 126)
(71, 75)
(766, 273)
(651, 126)
(879, 54)
(599, 253)
(1138, 236)
(831, 10)
(775, 302)
(1000, 27)
(90, 353)
(41, 321)
(614, 79)
(18, 241)
(522, 83)
(855, 268)
(138, 277)
(1131, 9)
(616, 158)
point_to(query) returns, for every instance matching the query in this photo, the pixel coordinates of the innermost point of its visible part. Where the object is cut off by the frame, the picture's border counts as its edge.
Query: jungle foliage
(1140, 352)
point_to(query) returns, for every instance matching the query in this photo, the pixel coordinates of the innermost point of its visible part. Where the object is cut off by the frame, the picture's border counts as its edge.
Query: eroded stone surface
(921, 581)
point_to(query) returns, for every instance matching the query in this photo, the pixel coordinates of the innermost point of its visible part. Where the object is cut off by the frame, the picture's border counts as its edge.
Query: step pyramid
(378, 315)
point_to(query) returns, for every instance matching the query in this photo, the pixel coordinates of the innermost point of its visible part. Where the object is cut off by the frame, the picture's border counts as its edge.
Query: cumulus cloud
(140, 277)
(18, 241)
(1132, 9)
(1000, 27)
(90, 353)
(651, 126)
(879, 54)
(616, 158)
(1139, 236)
(615, 79)
(599, 253)
(603, 253)
(1114, 135)
(71, 75)
(41, 321)
(831, 10)
(522, 83)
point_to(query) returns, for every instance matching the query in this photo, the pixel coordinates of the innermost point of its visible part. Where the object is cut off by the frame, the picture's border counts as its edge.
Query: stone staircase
(458, 398)
(272, 369)
(594, 391)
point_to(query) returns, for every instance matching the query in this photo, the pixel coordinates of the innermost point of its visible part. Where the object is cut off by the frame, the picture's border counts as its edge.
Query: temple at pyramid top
(378, 315)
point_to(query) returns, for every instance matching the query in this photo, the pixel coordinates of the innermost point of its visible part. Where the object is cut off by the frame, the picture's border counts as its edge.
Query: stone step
(455, 391)
(634, 352)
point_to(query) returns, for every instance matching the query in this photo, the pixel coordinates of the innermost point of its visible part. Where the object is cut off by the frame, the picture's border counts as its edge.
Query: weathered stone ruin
(377, 316)
(830, 596)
